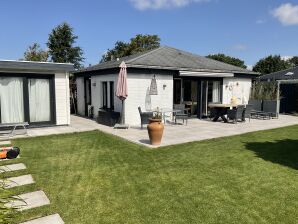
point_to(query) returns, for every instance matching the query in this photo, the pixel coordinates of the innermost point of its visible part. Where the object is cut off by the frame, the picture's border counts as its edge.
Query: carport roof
(169, 58)
(287, 74)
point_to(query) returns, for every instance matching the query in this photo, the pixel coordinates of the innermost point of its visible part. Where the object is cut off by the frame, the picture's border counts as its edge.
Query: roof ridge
(281, 71)
(145, 54)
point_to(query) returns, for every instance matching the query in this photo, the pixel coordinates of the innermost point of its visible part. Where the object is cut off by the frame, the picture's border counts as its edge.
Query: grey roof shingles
(281, 75)
(171, 59)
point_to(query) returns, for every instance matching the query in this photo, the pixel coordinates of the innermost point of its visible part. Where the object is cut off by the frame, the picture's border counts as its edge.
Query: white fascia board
(205, 74)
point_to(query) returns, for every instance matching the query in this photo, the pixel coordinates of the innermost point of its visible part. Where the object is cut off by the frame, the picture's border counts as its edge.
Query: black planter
(108, 117)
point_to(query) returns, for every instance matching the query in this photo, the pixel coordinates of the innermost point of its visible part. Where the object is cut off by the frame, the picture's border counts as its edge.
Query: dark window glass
(112, 95)
(104, 94)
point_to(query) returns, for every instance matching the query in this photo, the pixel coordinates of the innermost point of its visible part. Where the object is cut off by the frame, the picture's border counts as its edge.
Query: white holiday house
(34, 92)
(182, 78)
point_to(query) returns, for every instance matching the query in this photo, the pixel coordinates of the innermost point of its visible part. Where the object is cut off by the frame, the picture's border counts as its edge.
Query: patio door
(11, 100)
(39, 100)
(87, 94)
(210, 92)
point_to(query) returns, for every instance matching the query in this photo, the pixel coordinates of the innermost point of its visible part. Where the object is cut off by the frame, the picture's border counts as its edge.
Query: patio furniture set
(236, 113)
(179, 112)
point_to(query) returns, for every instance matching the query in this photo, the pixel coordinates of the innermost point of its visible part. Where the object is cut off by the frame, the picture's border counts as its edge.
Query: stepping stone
(29, 200)
(10, 159)
(5, 143)
(18, 181)
(12, 167)
(51, 219)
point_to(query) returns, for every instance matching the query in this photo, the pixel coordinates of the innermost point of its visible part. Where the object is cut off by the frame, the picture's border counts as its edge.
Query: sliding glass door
(39, 100)
(27, 98)
(11, 100)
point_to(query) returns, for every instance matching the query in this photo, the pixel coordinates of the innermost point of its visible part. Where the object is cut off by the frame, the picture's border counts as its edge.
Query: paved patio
(196, 129)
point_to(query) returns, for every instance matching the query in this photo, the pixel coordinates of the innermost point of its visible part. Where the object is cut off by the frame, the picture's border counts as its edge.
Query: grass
(93, 177)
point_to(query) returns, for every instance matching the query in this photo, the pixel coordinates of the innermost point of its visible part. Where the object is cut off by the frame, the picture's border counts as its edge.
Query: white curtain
(39, 100)
(216, 91)
(11, 100)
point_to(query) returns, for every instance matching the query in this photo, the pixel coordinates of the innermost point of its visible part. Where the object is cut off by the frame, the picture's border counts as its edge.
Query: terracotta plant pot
(155, 131)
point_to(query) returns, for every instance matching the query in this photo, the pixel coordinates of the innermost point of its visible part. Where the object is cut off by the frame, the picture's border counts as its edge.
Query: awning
(205, 74)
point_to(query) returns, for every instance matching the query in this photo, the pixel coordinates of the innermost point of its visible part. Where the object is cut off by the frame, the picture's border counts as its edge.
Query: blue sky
(248, 29)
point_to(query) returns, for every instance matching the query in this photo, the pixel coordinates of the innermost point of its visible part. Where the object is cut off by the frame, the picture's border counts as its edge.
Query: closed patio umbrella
(121, 93)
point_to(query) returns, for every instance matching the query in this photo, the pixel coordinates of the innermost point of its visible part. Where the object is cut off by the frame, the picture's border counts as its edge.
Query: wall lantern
(153, 87)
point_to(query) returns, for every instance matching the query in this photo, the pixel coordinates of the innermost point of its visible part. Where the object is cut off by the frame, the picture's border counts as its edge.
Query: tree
(61, 46)
(294, 61)
(137, 44)
(227, 59)
(35, 53)
(270, 64)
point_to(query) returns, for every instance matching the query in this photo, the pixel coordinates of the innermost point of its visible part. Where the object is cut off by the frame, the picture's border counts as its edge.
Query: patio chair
(247, 112)
(145, 117)
(257, 111)
(236, 114)
(182, 114)
(269, 106)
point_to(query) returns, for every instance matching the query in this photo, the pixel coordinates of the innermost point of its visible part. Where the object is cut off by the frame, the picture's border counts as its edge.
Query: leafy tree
(35, 53)
(228, 59)
(137, 44)
(61, 46)
(272, 63)
(294, 61)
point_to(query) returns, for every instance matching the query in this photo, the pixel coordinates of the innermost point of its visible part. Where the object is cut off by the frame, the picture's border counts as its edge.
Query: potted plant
(155, 128)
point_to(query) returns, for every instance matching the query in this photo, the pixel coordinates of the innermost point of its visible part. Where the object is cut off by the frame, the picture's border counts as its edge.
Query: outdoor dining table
(220, 110)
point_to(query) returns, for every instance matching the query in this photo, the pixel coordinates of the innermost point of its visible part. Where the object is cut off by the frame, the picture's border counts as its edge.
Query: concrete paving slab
(51, 219)
(29, 200)
(12, 167)
(18, 181)
(5, 142)
(195, 130)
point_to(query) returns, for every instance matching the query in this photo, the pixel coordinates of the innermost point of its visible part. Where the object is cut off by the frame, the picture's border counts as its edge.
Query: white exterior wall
(138, 95)
(240, 91)
(62, 98)
(80, 96)
(96, 92)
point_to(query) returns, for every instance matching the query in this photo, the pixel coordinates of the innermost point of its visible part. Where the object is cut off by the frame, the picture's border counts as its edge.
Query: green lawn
(95, 178)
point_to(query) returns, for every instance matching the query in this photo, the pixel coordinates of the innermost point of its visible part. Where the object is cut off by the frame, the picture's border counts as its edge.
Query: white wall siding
(240, 91)
(62, 98)
(138, 95)
(96, 92)
(80, 96)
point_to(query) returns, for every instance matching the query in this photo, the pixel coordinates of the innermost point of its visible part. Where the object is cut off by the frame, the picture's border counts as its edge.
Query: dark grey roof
(282, 75)
(170, 59)
(34, 66)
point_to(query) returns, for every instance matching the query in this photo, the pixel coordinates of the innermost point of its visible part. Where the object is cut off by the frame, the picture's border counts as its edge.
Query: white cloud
(286, 58)
(161, 4)
(240, 47)
(249, 67)
(287, 14)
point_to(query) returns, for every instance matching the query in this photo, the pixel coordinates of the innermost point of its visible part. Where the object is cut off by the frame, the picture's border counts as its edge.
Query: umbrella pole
(122, 121)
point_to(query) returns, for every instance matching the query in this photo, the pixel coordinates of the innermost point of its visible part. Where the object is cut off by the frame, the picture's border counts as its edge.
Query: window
(11, 100)
(177, 91)
(27, 98)
(104, 94)
(112, 95)
(39, 100)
